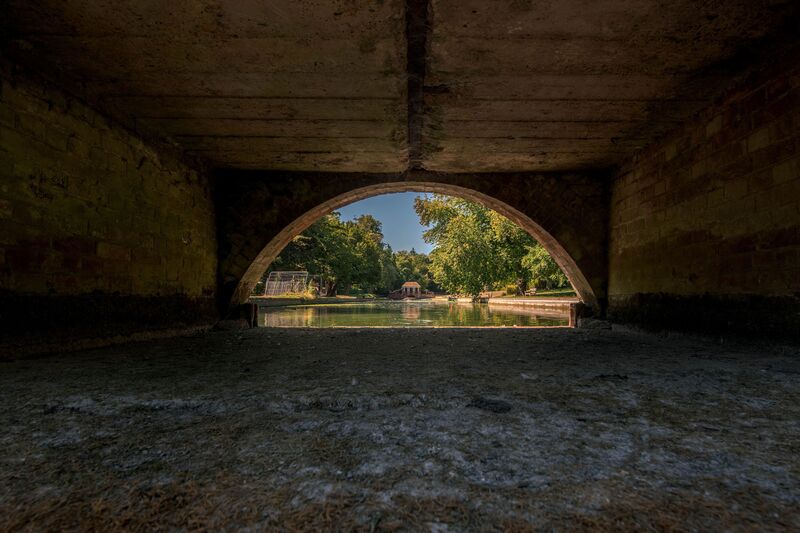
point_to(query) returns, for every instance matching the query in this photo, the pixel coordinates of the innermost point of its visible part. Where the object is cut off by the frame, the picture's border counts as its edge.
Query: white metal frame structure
(286, 282)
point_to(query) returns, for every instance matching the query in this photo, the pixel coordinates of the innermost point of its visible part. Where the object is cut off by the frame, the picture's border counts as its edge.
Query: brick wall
(95, 225)
(705, 225)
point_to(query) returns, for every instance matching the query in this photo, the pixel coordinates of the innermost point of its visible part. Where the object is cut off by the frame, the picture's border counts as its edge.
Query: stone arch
(260, 214)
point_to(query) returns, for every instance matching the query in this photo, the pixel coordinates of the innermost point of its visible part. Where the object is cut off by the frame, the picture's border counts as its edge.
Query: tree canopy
(475, 249)
(413, 266)
(345, 255)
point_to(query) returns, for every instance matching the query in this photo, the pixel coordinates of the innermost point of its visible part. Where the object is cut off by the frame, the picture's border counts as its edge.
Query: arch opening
(276, 245)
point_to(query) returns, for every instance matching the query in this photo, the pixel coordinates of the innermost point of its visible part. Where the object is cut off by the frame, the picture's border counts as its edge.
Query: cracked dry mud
(443, 430)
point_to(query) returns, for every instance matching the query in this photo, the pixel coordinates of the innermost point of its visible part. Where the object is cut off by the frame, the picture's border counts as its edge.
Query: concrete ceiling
(348, 85)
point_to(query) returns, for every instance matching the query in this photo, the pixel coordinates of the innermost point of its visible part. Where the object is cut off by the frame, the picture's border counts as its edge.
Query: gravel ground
(383, 430)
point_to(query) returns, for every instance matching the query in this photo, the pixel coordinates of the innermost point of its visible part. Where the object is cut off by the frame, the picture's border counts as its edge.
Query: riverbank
(561, 304)
(415, 313)
(558, 303)
(410, 314)
(381, 430)
(271, 301)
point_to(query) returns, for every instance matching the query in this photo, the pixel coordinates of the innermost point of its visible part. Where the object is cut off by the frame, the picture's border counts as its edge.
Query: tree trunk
(330, 288)
(522, 285)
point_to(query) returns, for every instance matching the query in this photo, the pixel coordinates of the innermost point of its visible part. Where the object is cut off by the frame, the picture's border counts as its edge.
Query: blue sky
(401, 227)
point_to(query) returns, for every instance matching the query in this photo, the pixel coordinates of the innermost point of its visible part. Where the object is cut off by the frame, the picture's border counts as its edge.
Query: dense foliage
(343, 255)
(475, 249)
(414, 266)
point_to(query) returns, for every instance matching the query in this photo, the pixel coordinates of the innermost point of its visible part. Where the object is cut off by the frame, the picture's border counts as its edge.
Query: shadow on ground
(404, 429)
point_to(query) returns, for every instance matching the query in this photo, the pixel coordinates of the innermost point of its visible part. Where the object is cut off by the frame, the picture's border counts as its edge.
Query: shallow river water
(407, 314)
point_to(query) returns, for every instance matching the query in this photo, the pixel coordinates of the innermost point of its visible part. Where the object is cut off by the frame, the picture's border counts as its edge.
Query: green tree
(365, 246)
(344, 254)
(321, 250)
(390, 274)
(476, 248)
(414, 266)
(542, 268)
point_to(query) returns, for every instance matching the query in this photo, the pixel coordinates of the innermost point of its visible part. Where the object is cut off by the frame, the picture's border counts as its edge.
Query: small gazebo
(411, 289)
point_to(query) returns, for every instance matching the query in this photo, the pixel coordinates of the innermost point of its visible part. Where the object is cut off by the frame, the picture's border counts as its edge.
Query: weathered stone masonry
(109, 221)
(103, 233)
(705, 225)
(99, 232)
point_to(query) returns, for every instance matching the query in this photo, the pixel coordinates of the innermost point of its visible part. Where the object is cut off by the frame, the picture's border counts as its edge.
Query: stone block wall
(705, 225)
(100, 233)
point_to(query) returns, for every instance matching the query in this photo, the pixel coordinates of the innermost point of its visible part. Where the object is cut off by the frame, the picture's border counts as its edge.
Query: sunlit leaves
(476, 249)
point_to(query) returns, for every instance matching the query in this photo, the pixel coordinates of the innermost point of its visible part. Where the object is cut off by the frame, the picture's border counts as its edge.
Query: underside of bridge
(153, 154)
(156, 155)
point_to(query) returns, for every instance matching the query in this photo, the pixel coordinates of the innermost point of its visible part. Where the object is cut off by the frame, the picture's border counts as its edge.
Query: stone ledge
(40, 347)
(34, 323)
(734, 315)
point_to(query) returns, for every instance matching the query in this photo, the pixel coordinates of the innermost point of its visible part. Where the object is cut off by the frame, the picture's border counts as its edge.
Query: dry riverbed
(383, 430)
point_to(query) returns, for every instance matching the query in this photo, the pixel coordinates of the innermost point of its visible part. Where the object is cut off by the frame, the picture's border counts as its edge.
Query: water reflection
(412, 312)
(408, 314)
